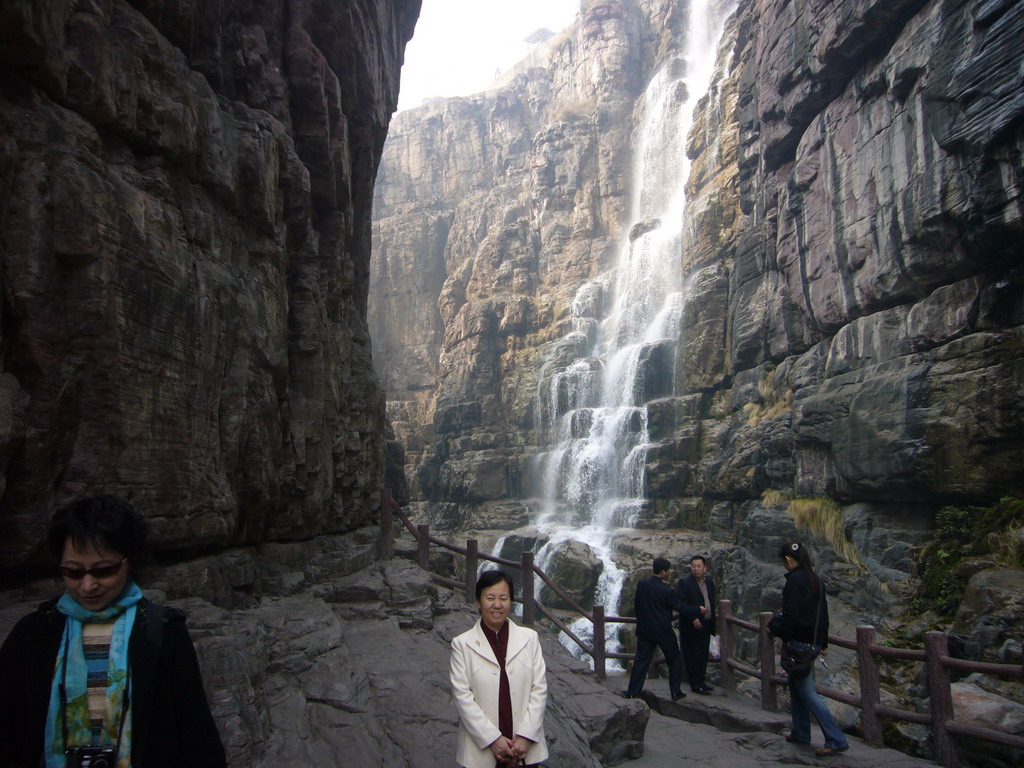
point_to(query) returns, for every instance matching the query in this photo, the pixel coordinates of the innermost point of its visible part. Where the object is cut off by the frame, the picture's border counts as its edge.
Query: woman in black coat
(101, 675)
(804, 622)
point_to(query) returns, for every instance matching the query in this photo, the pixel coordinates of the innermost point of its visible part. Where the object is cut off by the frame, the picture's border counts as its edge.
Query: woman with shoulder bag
(803, 627)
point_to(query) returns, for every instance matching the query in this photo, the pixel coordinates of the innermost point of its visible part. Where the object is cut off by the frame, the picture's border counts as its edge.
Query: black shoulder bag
(796, 659)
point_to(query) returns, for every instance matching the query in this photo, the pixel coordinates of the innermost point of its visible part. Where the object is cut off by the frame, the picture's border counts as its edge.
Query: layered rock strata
(851, 353)
(186, 193)
(491, 211)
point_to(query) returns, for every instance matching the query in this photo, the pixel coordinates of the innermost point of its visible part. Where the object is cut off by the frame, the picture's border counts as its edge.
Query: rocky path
(731, 731)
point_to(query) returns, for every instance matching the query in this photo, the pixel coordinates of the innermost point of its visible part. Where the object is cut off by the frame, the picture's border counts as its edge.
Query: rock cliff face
(186, 193)
(850, 357)
(491, 211)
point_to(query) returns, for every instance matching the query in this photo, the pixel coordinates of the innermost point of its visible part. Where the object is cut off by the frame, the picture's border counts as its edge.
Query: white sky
(458, 44)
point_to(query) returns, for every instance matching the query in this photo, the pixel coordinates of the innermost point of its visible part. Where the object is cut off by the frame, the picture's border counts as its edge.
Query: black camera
(91, 757)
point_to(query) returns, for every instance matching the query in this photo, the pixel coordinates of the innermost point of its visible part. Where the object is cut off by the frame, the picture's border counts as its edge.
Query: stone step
(725, 711)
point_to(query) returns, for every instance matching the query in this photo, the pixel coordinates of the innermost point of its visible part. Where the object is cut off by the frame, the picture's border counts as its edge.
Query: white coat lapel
(480, 644)
(517, 640)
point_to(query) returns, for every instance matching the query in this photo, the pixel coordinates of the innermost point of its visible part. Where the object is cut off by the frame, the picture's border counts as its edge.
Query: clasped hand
(510, 752)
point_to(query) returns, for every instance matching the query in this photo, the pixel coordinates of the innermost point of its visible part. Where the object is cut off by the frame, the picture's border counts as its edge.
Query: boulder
(576, 569)
(974, 706)
(991, 612)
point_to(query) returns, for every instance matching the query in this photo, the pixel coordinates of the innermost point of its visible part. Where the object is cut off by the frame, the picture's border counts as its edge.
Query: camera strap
(125, 701)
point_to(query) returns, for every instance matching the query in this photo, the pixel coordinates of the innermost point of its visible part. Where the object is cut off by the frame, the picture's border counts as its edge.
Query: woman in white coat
(498, 681)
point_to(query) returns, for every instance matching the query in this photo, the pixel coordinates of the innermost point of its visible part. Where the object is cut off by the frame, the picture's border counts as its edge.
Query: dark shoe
(829, 751)
(794, 740)
(702, 691)
(678, 695)
(628, 695)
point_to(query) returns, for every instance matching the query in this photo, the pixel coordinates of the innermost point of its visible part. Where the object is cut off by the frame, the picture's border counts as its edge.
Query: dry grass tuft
(773, 403)
(1008, 545)
(574, 111)
(776, 498)
(823, 517)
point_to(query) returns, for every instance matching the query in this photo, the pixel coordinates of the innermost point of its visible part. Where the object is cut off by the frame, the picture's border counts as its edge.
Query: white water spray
(596, 379)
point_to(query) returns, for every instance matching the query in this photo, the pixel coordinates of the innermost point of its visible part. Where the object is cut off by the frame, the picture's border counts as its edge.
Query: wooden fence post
(599, 654)
(471, 569)
(766, 646)
(387, 526)
(944, 742)
(529, 607)
(725, 644)
(870, 686)
(423, 546)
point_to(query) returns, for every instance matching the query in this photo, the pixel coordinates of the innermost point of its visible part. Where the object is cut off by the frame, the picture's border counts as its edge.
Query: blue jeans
(804, 702)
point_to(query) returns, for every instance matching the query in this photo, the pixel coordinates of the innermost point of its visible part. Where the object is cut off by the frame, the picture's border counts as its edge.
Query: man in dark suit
(653, 604)
(697, 591)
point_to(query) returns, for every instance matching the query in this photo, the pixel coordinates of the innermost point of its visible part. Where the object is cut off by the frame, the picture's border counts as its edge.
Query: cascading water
(596, 379)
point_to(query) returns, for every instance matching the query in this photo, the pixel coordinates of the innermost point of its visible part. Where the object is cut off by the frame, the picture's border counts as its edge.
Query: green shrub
(962, 533)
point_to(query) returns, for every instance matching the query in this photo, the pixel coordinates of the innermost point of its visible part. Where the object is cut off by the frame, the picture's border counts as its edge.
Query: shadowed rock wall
(879, 259)
(185, 192)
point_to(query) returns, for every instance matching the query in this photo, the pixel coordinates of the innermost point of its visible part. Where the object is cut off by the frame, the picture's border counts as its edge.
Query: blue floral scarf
(76, 676)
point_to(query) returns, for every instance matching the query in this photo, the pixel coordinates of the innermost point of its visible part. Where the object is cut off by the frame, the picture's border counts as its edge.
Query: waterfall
(595, 380)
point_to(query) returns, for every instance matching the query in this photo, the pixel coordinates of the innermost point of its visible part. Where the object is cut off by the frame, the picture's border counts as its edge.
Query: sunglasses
(97, 571)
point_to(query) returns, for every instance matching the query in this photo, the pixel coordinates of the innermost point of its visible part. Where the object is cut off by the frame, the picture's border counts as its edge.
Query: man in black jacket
(697, 591)
(653, 604)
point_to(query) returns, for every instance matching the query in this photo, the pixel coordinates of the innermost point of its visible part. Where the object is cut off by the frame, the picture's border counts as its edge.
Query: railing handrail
(421, 533)
(561, 593)
(935, 653)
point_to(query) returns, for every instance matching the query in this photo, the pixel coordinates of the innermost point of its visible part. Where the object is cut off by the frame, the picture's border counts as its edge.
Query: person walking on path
(653, 604)
(803, 623)
(698, 591)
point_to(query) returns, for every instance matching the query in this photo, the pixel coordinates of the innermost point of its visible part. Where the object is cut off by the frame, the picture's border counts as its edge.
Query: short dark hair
(490, 578)
(661, 564)
(105, 521)
(699, 557)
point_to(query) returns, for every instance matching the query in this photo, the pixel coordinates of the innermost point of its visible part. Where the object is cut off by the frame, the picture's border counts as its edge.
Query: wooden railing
(934, 655)
(531, 606)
